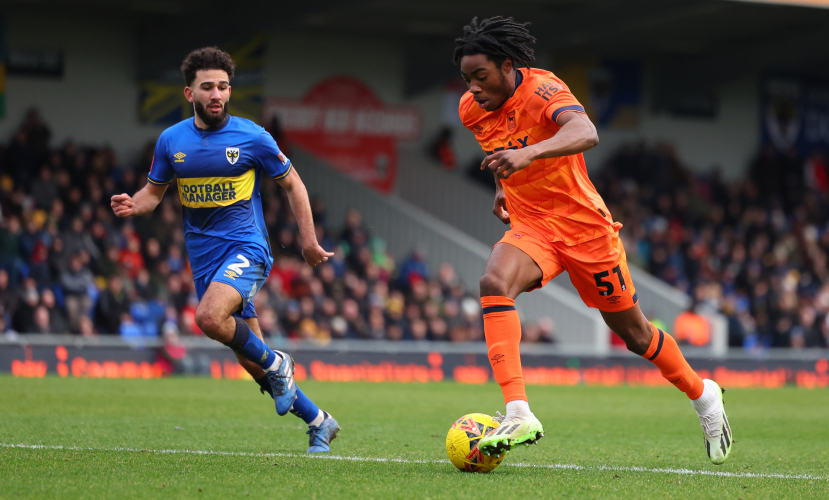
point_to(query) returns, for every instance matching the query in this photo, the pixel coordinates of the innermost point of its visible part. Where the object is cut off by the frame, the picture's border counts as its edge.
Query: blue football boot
(282, 384)
(322, 434)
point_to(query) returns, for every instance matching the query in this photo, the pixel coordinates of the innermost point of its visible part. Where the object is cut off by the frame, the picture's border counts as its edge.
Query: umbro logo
(179, 157)
(478, 129)
(498, 358)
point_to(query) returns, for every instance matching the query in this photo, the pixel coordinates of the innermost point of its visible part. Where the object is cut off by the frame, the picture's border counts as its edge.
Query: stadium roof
(719, 37)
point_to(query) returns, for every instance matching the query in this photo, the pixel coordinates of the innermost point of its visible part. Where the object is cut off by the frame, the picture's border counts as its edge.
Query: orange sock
(502, 329)
(665, 354)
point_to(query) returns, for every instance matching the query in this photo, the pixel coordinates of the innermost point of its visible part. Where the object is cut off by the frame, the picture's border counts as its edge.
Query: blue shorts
(245, 268)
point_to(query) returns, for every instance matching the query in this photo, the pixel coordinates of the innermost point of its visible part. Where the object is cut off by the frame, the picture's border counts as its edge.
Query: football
(462, 443)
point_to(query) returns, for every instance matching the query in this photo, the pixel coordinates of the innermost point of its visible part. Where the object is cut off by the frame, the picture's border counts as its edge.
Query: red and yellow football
(462, 443)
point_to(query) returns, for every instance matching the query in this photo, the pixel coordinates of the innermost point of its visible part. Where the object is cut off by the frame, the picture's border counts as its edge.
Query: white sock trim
(317, 421)
(276, 362)
(518, 407)
(708, 397)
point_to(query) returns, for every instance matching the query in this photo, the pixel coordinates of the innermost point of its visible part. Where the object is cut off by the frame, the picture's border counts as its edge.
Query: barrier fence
(370, 361)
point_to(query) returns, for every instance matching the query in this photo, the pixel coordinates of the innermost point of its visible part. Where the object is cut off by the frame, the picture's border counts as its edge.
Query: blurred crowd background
(68, 265)
(754, 249)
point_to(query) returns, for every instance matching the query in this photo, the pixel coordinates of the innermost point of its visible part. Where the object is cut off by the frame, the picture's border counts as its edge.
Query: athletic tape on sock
(240, 336)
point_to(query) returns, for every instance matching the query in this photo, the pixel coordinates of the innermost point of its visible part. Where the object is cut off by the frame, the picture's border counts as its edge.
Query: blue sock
(304, 408)
(246, 343)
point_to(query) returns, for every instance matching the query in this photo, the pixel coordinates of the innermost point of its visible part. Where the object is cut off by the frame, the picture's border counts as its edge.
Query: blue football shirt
(217, 172)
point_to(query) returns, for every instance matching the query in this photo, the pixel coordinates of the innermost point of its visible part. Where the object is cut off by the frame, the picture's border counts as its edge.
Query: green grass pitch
(122, 426)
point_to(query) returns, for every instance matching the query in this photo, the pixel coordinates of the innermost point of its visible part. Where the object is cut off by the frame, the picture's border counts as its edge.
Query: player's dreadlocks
(497, 38)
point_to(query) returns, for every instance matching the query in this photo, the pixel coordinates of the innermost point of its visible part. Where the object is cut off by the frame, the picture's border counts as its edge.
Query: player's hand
(315, 255)
(500, 207)
(505, 163)
(122, 205)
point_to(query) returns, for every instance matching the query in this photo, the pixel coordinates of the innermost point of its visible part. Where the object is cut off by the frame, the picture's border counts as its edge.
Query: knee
(493, 286)
(208, 321)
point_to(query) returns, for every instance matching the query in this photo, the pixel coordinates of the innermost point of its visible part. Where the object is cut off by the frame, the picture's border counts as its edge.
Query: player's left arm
(577, 135)
(300, 205)
(278, 167)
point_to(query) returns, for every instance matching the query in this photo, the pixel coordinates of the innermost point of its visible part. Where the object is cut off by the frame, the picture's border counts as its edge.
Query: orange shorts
(598, 268)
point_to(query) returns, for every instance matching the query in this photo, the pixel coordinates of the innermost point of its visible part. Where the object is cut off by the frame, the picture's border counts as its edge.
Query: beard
(210, 119)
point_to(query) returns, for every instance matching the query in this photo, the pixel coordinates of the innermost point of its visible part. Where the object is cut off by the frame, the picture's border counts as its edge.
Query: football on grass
(462, 443)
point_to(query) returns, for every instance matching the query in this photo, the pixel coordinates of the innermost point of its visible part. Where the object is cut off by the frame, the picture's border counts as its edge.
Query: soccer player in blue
(218, 161)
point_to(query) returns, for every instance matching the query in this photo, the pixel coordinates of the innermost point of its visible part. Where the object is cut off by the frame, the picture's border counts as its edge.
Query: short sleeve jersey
(553, 195)
(217, 173)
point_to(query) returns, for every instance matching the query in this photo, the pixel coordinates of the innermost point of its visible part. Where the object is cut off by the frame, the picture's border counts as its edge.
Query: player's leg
(643, 338)
(322, 427)
(229, 293)
(599, 271)
(519, 263)
(509, 271)
(658, 347)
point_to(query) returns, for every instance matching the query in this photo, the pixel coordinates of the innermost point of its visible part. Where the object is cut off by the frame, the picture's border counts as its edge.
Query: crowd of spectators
(67, 264)
(754, 249)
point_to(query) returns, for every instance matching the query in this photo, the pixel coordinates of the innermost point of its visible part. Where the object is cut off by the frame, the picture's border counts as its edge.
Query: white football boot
(715, 427)
(512, 430)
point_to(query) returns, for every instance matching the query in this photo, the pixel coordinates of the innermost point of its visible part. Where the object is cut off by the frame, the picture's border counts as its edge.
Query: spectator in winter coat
(112, 304)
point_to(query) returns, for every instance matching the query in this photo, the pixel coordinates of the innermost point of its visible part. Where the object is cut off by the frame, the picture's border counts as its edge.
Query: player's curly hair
(497, 38)
(206, 58)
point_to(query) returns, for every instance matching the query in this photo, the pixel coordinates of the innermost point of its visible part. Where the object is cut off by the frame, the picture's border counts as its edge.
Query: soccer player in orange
(534, 132)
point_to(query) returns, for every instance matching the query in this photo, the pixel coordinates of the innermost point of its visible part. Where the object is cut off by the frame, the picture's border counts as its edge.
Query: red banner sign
(341, 120)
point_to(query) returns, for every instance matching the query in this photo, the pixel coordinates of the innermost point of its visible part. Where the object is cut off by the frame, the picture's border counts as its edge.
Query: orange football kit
(560, 221)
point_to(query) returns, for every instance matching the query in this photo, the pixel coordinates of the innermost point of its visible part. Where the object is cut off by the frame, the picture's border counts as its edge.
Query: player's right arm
(142, 203)
(160, 176)
(469, 113)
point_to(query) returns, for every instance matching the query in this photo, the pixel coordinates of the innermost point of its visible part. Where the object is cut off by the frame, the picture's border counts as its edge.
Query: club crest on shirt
(511, 120)
(232, 155)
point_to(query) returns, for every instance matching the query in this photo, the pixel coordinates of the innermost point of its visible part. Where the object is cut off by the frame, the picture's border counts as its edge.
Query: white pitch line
(688, 472)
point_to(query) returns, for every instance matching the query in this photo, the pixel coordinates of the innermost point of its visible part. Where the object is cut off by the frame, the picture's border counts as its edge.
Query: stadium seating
(754, 249)
(68, 265)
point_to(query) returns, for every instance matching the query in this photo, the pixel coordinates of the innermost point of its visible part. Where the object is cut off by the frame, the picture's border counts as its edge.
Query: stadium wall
(96, 100)
(730, 140)
(295, 62)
